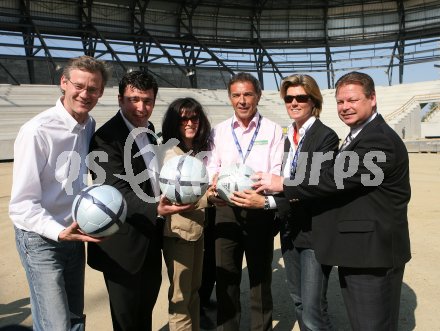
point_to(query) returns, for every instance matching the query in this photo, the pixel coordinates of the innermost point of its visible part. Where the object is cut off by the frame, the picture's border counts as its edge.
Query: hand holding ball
(236, 177)
(99, 210)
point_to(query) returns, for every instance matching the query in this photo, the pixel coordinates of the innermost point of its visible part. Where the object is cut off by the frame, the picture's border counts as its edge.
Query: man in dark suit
(131, 259)
(361, 222)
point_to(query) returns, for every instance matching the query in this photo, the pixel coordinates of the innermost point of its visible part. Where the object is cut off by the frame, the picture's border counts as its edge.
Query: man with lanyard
(257, 142)
(307, 139)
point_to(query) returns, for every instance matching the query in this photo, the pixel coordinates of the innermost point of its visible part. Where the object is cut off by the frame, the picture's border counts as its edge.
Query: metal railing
(416, 99)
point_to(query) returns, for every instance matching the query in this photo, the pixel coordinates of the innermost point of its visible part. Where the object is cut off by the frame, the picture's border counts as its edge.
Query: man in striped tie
(362, 222)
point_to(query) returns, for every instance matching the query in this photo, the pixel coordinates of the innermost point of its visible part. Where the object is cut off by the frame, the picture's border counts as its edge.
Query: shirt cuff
(54, 231)
(272, 203)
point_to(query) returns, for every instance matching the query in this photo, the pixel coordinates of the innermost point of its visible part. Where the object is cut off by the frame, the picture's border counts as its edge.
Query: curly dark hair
(172, 121)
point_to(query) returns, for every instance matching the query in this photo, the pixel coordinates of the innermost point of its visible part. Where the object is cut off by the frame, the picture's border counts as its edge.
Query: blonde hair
(309, 85)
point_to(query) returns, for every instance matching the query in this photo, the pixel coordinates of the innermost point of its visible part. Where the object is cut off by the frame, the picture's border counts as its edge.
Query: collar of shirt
(302, 131)
(131, 127)
(252, 124)
(68, 119)
(355, 131)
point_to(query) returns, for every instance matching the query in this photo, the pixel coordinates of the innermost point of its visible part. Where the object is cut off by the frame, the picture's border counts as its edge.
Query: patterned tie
(346, 142)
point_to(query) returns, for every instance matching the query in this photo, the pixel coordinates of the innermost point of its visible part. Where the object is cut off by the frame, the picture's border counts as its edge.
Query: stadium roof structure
(276, 37)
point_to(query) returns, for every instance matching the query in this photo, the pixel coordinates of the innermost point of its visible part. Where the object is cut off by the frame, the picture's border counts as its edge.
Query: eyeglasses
(94, 91)
(301, 98)
(186, 119)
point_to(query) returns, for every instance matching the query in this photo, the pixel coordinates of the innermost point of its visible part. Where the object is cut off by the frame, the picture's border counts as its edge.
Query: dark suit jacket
(127, 248)
(363, 226)
(296, 225)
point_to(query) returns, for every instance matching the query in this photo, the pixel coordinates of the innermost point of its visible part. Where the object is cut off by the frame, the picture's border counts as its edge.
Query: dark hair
(172, 121)
(141, 80)
(358, 78)
(310, 86)
(245, 77)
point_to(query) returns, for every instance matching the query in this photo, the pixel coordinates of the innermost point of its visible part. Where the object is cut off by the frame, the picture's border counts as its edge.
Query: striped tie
(346, 142)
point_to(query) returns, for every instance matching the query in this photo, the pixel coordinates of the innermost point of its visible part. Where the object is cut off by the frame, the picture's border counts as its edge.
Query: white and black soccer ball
(183, 179)
(235, 177)
(99, 210)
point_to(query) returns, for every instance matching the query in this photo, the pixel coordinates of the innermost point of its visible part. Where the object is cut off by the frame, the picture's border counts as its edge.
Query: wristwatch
(266, 203)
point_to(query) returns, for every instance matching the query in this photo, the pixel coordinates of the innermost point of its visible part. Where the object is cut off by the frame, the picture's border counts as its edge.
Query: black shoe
(206, 323)
(209, 305)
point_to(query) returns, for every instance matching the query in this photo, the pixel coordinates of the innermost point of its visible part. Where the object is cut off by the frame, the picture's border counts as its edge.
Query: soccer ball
(99, 210)
(236, 177)
(183, 179)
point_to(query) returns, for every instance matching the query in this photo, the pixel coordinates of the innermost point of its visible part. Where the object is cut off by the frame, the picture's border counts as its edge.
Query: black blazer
(296, 225)
(363, 225)
(127, 248)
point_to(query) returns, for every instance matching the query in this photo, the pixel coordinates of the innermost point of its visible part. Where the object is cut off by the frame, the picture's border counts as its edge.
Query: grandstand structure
(431, 122)
(399, 104)
(192, 47)
(200, 43)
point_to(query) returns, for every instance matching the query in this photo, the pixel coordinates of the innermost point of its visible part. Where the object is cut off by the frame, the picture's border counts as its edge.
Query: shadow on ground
(14, 312)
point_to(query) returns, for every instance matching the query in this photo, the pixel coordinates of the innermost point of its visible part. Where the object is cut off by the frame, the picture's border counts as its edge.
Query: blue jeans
(55, 273)
(307, 282)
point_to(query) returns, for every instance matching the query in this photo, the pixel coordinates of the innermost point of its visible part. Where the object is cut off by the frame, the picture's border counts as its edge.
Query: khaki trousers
(184, 260)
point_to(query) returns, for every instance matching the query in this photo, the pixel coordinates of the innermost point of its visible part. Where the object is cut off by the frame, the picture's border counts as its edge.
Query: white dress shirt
(49, 170)
(287, 166)
(151, 161)
(355, 131)
(301, 133)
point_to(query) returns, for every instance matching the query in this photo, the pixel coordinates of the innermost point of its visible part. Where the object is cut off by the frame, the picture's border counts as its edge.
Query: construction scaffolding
(200, 43)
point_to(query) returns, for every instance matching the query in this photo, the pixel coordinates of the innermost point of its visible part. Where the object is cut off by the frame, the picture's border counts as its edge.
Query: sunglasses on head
(299, 98)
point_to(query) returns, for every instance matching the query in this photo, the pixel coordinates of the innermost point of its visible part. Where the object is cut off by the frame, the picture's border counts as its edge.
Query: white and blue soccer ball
(99, 210)
(183, 179)
(235, 177)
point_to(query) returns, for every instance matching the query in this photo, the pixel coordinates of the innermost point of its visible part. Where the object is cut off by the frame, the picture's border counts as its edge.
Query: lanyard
(251, 144)
(295, 158)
